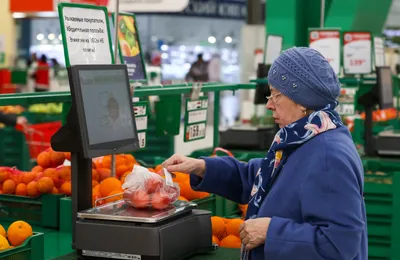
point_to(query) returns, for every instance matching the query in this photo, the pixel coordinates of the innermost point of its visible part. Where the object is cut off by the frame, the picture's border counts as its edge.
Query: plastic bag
(145, 189)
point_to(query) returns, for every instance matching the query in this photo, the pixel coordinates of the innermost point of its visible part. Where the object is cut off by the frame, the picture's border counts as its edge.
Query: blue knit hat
(305, 76)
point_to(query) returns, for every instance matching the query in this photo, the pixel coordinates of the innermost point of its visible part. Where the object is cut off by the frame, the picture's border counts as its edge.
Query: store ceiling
(393, 19)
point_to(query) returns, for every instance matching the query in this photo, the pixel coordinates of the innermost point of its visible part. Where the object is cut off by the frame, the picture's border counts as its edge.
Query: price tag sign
(379, 51)
(274, 48)
(345, 109)
(140, 110)
(357, 52)
(327, 42)
(195, 119)
(85, 34)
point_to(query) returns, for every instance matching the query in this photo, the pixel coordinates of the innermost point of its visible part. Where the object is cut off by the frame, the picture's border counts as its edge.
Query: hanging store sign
(357, 52)
(195, 119)
(130, 50)
(140, 6)
(85, 33)
(327, 42)
(379, 52)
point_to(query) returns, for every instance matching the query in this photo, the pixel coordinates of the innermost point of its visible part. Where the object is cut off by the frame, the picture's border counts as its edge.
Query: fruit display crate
(208, 203)
(31, 249)
(37, 118)
(13, 149)
(42, 211)
(382, 198)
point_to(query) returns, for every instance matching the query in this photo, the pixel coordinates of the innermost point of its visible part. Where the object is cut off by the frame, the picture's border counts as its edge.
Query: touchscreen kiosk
(384, 89)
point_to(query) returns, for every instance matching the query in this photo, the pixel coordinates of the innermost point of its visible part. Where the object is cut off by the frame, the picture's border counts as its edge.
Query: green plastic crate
(382, 198)
(65, 214)
(31, 249)
(37, 118)
(13, 149)
(42, 211)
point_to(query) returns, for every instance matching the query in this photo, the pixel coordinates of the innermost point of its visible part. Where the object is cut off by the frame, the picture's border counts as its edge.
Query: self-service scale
(100, 122)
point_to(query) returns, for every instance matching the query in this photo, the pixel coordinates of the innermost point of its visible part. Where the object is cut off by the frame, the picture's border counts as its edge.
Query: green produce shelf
(42, 211)
(31, 249)
(382, 198)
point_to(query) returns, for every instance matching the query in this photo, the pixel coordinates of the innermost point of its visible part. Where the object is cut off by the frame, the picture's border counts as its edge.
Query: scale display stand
(100, 122)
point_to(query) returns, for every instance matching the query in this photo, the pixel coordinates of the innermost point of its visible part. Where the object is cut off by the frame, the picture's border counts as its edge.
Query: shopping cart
(38, 137)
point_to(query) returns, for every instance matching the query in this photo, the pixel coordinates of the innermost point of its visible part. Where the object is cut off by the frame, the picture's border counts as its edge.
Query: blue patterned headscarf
(285, 142)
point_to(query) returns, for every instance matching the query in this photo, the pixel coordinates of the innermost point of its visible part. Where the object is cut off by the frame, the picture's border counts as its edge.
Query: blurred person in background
(42, 75)
(199, 70)
(13, 120)
(31, 73)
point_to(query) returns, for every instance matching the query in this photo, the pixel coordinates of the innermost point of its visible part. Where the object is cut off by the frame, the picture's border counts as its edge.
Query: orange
(218, 227)
(66, 188)
(37, 168)
(124, 176)
(95, 175)
(9, 187)
(187, 191)
(106, 163)
(94, 183)
(43, 160)
(103, 173)
(3, 231)
(115, 198)
(56, 158)
(121, 169)
(233, 227)
(109, 185)
(96, 189)
(31, 189)
(231, 242)
(27, 177)
(181, 177)
(215, 240)
(51, 173)
(182, 198)
(130, 158)
(4, 245)
(21, 190)
(4, 175)
(45, 185)
(19, 231)
(130, 166)
(120, 160)
(64, 173)
(55, 191)
(67, 156)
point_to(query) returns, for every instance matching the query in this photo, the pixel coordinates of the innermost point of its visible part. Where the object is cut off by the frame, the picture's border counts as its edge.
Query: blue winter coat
(316, 203)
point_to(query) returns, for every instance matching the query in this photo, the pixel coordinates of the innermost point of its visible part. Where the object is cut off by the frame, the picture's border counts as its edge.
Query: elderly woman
(306, 196)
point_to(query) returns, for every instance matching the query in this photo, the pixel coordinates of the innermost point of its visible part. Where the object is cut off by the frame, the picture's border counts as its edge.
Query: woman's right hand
(181, 163)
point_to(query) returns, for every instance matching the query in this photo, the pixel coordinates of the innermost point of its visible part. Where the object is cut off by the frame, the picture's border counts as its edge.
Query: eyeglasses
(273, 97)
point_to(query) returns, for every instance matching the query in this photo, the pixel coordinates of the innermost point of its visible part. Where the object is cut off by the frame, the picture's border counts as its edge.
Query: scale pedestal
(116, 230)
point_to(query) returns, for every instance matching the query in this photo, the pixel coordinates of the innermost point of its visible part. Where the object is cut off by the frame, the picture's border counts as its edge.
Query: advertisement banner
(327, 42)
(357, 52)
(130, 50)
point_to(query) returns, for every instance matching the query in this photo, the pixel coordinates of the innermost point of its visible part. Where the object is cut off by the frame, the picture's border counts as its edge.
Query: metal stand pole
(322, 17)
(113, 157)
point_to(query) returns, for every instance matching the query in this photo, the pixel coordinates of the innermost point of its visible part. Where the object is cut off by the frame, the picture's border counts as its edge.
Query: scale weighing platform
(101, 122)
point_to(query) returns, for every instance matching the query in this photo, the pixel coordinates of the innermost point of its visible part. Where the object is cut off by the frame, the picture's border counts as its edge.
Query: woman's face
(284, 110)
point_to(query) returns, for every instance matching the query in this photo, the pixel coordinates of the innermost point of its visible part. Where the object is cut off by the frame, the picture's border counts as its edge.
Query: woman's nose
(270, 105)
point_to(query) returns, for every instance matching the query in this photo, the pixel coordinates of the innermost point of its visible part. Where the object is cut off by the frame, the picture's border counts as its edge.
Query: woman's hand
(180, 163)
(253, 232)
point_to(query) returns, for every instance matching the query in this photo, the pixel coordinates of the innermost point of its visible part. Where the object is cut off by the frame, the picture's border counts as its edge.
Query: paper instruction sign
(195, 119)
(327, 42)
(86, 34)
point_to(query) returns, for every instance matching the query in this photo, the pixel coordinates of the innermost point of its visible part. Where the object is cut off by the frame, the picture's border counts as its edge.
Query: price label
(195, 119)
(357, 52)
(194, 132)
(141, 118)
(345, 109)
(327, 42)
(142, 139)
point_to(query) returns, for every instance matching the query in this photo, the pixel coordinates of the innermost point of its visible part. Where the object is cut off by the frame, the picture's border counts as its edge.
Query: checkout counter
(100, 122)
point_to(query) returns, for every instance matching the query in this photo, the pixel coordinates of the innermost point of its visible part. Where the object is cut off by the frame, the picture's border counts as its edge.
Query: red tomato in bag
(153, 184)
(160, 201)
(140, 199)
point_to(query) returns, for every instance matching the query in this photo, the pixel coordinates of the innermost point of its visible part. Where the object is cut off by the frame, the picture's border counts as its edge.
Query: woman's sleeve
(333, 213)
(9, 120)
(227, 177)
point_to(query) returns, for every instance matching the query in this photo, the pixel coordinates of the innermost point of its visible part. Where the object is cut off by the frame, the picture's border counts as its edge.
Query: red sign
(355, 36)
(319, 35)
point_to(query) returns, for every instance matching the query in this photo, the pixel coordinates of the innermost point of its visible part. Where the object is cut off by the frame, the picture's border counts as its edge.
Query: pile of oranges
(225, 232)
(15, 235)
